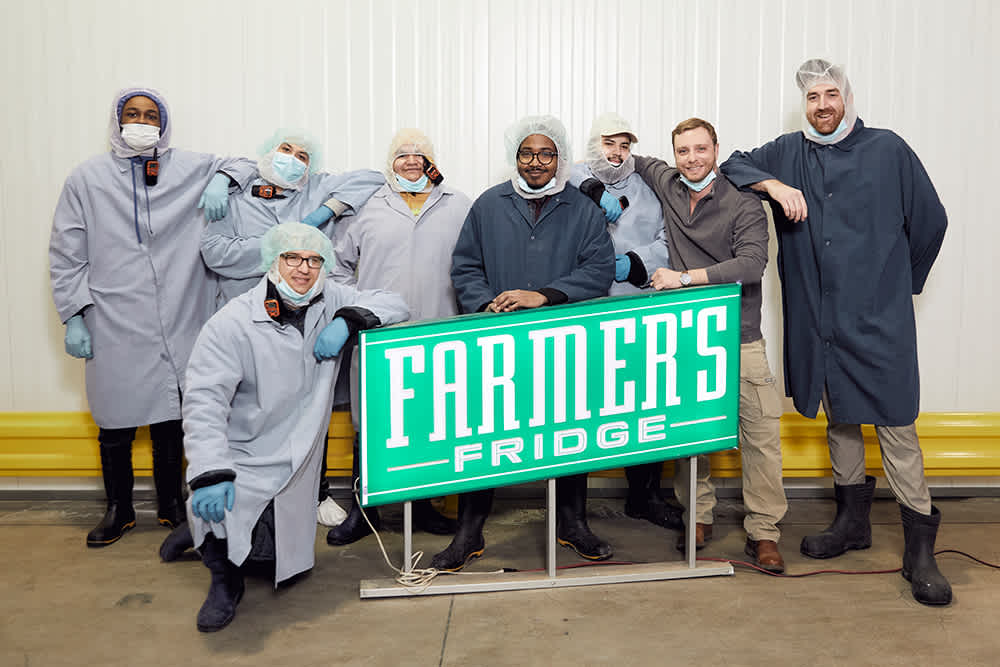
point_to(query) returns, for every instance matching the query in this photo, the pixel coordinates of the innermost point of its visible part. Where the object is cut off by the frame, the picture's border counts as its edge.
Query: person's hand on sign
(516, 299)
(665, 278)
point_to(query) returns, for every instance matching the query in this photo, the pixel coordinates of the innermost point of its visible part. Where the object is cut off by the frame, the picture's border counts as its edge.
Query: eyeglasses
(294, 260)
(525, 156)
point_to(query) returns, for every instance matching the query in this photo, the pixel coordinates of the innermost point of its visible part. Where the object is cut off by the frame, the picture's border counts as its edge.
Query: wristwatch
(685, 279)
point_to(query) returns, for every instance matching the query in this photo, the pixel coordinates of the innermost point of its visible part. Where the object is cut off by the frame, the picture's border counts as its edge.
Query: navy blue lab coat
(848, 271)
(501, 247)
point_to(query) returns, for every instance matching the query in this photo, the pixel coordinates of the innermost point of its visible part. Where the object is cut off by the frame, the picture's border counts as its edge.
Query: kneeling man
(258, 400)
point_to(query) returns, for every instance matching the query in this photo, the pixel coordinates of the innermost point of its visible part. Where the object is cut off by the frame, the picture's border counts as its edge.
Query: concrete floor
(64, 604)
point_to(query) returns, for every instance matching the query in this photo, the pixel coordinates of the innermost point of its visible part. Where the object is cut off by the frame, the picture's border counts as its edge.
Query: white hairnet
(608, 125)
(292, 236)
(292, 136)
(816, 71)
(408, 141)
(547, 126)
(118, 145)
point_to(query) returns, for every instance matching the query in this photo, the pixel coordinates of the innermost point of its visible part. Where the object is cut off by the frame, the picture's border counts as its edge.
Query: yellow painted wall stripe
(63, 444)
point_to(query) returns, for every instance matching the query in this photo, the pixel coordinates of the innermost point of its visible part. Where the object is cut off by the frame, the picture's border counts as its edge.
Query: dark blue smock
(848, 272)
(502, 247)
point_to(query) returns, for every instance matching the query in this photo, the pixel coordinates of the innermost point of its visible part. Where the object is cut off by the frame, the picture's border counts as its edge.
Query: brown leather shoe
(702, 534)
(765, 555)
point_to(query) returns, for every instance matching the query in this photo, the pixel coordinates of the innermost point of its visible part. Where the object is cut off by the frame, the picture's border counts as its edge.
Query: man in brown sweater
(717, 234)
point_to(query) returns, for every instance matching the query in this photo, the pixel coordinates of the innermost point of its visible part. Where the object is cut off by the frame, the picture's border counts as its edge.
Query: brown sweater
(726, 235)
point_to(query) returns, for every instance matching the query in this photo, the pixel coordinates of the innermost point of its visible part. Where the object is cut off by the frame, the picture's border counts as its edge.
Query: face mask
(811, 131)
(412, 186)
(289, 168)
(139, 136)
(527, 188)
(700, 185)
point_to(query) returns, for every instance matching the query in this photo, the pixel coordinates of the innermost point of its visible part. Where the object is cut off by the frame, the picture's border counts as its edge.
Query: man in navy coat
(529, 242)
(859, 225)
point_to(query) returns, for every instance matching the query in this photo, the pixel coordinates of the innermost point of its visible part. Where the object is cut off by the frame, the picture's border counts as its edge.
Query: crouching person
(259, 394)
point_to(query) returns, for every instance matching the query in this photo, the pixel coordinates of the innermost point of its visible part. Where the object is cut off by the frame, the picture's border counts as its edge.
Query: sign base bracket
(448, 583)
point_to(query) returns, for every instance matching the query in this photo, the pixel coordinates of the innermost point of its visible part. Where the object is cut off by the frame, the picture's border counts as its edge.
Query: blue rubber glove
(622, 267)
(78, 342)
(215, 198)
(211, 502)
(318, 217)
(331, 339)
(612, 207)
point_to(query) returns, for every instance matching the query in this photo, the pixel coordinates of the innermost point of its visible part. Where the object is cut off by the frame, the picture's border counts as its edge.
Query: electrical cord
(816, 572)
(417, 578)
(421, 578)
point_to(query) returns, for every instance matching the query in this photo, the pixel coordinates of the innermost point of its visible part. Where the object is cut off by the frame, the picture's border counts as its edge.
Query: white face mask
(140, 136)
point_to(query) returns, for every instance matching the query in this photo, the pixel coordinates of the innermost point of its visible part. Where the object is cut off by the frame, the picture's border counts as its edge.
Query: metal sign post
(482, 401)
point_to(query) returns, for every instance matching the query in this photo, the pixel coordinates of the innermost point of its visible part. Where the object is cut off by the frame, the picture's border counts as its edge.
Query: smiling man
(257, 404)
(530, 242)
(718, 234)
(635, 223)
(859, 225)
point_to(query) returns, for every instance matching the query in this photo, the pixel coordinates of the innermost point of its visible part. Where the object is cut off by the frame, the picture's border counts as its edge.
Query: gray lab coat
(639, 229)
(231, 246)
(258, 403)
(129, 254)
(386, 247)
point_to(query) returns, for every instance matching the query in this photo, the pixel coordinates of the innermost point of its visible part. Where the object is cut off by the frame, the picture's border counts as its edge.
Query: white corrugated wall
(354, 72)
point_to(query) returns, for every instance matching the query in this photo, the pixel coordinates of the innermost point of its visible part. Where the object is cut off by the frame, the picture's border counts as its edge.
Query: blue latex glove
(318, 217)
(78, 342)
(211, 502)
(215, 198)
(622, 267)
(612, 207)
(331, 339)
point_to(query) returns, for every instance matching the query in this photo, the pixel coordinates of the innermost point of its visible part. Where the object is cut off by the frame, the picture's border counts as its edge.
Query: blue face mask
(527, 188)
(288, 167)
(840, 128)
(700, 185)
(293, 298)
(412, 186)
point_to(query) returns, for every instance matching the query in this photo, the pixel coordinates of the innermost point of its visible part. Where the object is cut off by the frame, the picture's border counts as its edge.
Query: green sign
(487, 400)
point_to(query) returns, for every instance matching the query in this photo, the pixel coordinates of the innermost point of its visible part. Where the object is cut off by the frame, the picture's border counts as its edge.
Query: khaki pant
(902, 459)
(760, 451)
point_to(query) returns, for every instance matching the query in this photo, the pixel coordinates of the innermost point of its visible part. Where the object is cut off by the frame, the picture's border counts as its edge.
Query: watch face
(685, 278)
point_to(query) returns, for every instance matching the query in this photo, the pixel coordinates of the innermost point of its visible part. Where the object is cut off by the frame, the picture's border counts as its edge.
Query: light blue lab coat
(231, 246)
(129, 254)
(639, 228)
(258, 403)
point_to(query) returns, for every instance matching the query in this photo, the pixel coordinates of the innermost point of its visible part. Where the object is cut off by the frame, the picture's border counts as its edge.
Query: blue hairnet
(295, 136)
(292, 236)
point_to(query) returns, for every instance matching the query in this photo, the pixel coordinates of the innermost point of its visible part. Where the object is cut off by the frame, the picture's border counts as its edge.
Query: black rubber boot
(851, 528)
(176, 543)
(571, 519)
(644, 500)
(168, 463)
(116, 468)
(919, 567)
(354, 527)
(473, 508)
(226, 588)
(324, 483)
(429, 520)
